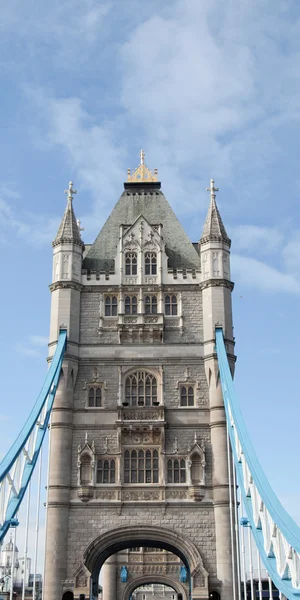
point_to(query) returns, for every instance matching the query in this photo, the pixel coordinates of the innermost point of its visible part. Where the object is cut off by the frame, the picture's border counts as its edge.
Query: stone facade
(138, 435)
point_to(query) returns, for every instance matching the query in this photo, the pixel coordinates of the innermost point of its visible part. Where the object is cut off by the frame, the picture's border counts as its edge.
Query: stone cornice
(217, 283)
(59, 285)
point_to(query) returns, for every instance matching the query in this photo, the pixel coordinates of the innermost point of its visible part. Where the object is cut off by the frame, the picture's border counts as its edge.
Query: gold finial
(142, 173)
(212, 189)
(70, 191)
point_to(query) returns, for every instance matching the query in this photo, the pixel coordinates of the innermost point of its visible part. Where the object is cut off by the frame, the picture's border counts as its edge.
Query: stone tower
(138, 436)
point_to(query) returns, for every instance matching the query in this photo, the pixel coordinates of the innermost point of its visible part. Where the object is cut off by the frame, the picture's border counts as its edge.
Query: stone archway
(143, 580)
(124, 537)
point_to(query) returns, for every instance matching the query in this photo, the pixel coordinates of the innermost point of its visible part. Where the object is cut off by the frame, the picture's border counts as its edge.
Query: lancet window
(141, 389)
(106, 471)
(151, 305)
(130, 305)
(95, 396)
(150, 263)
(171, 305)
(176, 471)
(131, 263)
(141, 466)
(187, 395)
(111, 306)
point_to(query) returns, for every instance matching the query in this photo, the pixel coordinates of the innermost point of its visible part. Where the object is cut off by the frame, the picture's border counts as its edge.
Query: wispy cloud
(254, 273)
(34, 229)
(35, 346)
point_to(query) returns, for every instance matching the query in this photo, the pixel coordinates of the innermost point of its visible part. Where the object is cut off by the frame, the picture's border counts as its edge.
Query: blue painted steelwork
(28, 443)
(270, 523)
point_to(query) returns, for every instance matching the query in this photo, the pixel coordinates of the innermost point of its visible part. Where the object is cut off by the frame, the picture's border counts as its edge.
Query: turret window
(95, 396)
(150, 305)
(106, 471)
(130, 305)
(111, 306)
(150, 263)
(187, 395)
(131, 263)
(176, 470)
(141, 389)
(141, 466)
(171, 305)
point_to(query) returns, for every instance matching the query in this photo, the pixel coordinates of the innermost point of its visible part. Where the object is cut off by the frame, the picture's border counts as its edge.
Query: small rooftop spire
(212, 189)
(69, 230)
(213, 227)
(142, 174)
(70, 191)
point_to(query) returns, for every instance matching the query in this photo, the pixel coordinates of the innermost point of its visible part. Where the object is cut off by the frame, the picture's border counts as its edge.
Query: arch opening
(135, 591)
(68, 596)
(126, 537)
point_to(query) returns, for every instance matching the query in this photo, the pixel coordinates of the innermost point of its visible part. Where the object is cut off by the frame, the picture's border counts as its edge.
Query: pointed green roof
(68, 230)
(148, 200)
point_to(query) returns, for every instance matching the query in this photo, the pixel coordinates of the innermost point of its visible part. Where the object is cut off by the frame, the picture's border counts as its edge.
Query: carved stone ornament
(85, 493)
(141, 495)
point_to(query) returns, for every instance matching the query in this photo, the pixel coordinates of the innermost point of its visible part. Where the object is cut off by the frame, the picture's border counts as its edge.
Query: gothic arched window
(106, 471)
(111, 306)
(187, 395)
(131, 263)
(95, 396)
(130, 305)
(176, 470)
(141, 466)
(171, 305)
(151, 305)
(150, 263)
(141, 389)
(85, 470)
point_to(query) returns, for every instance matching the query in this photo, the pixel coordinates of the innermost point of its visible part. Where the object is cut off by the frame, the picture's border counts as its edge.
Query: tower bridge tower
(138, 437)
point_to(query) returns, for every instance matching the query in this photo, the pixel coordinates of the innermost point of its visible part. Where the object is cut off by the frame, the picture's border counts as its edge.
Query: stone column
(59, 487)
(109, 572)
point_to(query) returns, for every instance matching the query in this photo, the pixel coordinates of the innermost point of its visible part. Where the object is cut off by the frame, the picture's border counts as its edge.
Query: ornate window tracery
(171, 305)
(151, 305)
(106, 470)
(176, 470)
(131, 263)
(141, 466)
(130, 305)
(111, 306)
(150, 263)
(95, 396)
(187, 395)
(141, 389)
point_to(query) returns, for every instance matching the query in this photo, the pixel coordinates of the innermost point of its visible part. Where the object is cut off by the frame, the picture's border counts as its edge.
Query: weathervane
(212, 189)
(70, 191)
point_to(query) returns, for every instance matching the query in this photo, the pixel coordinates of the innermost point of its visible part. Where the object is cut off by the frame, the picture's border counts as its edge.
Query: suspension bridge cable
(231, 516)
(13, 565)
(250, 562)
(243, 552)
(236, 527)
(259, 575)
(18, 465)
(26, 541)
(37, 526)
(47, 499)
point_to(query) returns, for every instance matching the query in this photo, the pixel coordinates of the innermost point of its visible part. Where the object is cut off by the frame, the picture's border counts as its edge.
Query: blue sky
(208, 89)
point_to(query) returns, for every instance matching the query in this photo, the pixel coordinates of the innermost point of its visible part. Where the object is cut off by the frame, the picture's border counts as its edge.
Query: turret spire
(213, 227)
(69, 231)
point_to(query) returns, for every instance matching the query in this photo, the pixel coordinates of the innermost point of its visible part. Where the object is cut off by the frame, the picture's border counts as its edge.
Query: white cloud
(254, 273)
(35, 229)
(36, 346)
(248, 237)
(291, 255)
